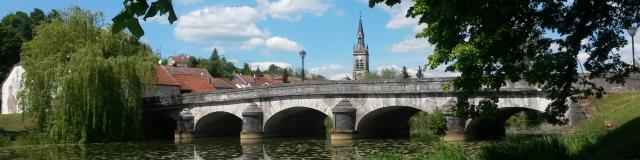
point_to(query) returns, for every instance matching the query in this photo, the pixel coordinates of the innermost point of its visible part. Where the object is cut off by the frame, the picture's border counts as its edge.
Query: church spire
(360, 44)
(360, 32)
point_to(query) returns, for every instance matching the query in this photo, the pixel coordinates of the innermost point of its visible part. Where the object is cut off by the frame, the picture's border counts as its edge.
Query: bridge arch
(493, 128)
(296, 121)
(218, 123)
(389, 121)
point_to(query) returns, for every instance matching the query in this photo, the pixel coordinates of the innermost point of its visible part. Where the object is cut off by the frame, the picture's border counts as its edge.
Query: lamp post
(632, 32)
(302, 54)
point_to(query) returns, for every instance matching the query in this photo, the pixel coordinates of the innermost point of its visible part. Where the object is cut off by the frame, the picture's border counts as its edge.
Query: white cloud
(331, 68)
(340, 76)
(411, 45)
(265, 65)
(188, 2)
(281, 44)
(219, 24)
(292, 9)
(252, 43)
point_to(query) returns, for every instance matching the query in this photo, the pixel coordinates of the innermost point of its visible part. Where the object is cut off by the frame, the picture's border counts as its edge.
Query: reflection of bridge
(357, 109)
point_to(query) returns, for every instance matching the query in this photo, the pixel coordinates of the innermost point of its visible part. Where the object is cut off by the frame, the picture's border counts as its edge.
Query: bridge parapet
(410, 86)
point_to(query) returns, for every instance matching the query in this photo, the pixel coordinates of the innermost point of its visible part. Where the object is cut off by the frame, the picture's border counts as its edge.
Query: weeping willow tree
(82, 82)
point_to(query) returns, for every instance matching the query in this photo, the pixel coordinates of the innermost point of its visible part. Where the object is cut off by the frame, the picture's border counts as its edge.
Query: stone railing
(411, 86)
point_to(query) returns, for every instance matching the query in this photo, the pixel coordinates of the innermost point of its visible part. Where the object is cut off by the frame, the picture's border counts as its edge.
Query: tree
(273, 69)
(390, 73)
(133, 9)
(258, 72)
(246, 69)
(538, 41)
(317, 77)
(215, 64)
(419, 73)
(9, 50)
(37, 16)
(193, 62)
(83, 83)
(21, 22)
(405, 73)
(15, 29)
(285, 76)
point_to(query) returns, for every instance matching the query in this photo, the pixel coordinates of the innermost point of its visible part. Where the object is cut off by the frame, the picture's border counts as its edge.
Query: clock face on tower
(359, 57)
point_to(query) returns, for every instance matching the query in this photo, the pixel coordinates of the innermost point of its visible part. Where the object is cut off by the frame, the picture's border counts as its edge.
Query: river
(224, 148)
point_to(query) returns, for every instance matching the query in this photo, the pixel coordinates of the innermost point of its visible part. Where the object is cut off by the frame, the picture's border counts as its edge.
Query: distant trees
(386, 73)
(419, 73)
(15, 29)
(405, 73)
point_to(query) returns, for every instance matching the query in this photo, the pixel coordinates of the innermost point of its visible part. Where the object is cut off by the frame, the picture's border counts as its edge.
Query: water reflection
(221, 148)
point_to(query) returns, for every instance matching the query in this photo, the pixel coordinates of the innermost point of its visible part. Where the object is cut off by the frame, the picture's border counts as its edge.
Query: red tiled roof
(222, 83)
(187, 70)
(164, 78)
(195, 83)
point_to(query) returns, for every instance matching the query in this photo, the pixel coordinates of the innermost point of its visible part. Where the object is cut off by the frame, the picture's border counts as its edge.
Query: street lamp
(302, 54)
(632, 32)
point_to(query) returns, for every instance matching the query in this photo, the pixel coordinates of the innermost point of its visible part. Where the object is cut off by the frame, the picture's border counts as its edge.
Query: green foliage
(437, 123)
(128, 17)
(285, 76)
(386, 73)
(317, 77)
(246, 69)
(590, 141)
(405, 74)
(547, 147)
(494, 42)
(328, 126)
(445, 151)
(15, 29)
(428, 126)
(5, 141)
(419, 73)
(83, 83)
(193, 62)
(33, 139)
(16, 123)
(219, 66)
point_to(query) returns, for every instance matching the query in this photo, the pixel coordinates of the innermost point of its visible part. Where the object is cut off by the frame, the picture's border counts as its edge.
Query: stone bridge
(356, 109)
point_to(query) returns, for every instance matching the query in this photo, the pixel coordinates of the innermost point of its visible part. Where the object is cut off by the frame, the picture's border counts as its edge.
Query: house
(165, 86)
(180, 60)
(222, 84)
(243, 81)
(10, 88)
(191, 80)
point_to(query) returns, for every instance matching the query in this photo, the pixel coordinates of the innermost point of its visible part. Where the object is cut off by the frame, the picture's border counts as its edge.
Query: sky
(264, 32)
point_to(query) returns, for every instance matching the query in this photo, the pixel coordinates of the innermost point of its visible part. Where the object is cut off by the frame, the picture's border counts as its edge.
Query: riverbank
(611, 133)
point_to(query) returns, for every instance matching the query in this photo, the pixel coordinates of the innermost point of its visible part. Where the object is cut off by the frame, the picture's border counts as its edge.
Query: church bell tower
(360, 55)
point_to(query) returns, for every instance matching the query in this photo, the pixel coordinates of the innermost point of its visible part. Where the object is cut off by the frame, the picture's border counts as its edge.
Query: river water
(224, 148)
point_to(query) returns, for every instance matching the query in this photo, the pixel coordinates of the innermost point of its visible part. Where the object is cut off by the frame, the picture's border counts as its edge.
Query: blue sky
(263, 32)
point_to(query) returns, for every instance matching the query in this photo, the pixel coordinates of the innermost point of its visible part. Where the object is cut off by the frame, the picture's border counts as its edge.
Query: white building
(10, 88)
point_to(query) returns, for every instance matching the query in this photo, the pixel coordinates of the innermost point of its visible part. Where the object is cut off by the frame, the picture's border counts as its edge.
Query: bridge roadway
(357, 109)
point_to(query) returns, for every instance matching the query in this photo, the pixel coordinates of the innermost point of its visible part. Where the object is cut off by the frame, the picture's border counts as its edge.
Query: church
(360, 55)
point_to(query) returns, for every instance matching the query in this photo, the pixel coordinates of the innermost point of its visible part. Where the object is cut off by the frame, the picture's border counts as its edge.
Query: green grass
(15, 122)
(589, 141)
